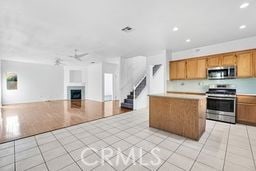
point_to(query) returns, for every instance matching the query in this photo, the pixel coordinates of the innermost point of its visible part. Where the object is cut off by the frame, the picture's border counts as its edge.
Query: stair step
(127, 105)
(128, 101)
(130, 97)
(131, 93)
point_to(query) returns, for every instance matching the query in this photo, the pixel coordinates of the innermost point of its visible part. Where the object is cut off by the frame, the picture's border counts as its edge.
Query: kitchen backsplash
(247, 85)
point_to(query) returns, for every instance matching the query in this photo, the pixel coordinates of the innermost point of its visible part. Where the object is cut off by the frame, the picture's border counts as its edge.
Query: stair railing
(156, 68)
(138, 88)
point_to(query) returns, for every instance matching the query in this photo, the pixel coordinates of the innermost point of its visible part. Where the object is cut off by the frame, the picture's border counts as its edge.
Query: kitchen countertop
(244, 94)
(200, 93)
(180, 96)
(184, 92)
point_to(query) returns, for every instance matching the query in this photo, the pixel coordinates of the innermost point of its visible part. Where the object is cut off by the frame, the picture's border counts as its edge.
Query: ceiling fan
(58, 62)
(78, 56)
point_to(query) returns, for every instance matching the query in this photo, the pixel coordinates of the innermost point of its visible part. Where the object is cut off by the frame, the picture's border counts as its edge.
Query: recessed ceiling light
(175, 29)
(242, 27)
(188, 40)
(244, 5)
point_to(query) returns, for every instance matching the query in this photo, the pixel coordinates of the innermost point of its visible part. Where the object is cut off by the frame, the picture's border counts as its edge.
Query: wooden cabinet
(191, 68)
(254, 62)
(196, 68)
(245, 64)
(178, 70)
(214, 61)
(222, 60)
(246, 109)
(181, 70)
(201, 68)
(229, 59)
(173, 70)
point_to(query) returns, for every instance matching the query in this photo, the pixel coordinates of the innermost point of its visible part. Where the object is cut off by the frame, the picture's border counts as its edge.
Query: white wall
(241, 44)
(156, 83)
(94, 83)
(0, 83)
(36, 82)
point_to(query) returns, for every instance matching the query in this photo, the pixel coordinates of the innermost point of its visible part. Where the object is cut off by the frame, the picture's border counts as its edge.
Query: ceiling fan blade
(81, 55)
(78, 58)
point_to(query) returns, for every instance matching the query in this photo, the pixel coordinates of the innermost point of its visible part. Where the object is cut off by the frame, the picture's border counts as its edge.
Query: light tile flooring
(222, 147)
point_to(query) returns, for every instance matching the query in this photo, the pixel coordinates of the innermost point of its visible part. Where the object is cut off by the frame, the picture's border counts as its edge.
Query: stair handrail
(136, 86)
(140, 80)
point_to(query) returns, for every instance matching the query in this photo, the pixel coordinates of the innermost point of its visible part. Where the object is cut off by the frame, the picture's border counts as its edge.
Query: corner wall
(94, 84)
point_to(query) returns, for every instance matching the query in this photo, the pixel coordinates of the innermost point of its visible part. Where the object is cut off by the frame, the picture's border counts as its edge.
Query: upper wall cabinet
(214, 61)
(245, 64)
(196, 68)
(254, 63)
(221, 60)
(228, 59)
(178, 70)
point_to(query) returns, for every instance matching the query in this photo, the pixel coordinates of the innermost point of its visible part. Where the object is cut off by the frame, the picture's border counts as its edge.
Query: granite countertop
(180, 96)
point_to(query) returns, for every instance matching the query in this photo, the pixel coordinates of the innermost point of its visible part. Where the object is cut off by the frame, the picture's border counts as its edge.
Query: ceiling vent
(127, 29)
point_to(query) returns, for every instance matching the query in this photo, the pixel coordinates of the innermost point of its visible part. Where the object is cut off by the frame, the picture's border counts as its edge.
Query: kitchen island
(181, 114)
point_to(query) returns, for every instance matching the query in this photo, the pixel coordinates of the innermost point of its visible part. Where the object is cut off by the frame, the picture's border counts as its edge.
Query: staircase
(129, 101)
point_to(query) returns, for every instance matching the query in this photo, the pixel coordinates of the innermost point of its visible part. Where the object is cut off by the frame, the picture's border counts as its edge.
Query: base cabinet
(246, 110)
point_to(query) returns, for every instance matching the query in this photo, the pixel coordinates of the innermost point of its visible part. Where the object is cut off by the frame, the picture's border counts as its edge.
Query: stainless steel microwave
(219, 73)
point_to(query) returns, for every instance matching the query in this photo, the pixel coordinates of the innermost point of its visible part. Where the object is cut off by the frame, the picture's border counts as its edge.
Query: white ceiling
(41, 30)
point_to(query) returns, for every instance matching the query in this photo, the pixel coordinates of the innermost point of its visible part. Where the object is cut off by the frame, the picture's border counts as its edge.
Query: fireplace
(75, 94)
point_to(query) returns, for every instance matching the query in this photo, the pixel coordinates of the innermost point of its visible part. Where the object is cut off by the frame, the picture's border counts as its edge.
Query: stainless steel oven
(218, 73)
(221, 103)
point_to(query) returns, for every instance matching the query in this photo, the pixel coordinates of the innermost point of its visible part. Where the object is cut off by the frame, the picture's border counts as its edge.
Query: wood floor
(22, 120)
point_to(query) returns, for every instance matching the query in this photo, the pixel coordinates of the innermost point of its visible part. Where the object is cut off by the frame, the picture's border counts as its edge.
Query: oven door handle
(217, 98)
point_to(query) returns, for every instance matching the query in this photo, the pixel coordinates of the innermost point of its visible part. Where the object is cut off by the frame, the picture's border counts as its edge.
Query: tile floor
(222, 147)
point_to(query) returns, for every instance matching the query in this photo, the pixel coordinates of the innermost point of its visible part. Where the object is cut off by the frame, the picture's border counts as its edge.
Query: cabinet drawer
(246, 99)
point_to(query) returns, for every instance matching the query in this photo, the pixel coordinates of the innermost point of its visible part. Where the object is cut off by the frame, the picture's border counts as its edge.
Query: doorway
(108, 87)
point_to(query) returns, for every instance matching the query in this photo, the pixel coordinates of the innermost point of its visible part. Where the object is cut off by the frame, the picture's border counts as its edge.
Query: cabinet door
(181, 70)
(254, 64)
(245, 64)
(192, 66)
(229, 59)
(214, 61)
(173, 70)
(246, 113)
(201, 68)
